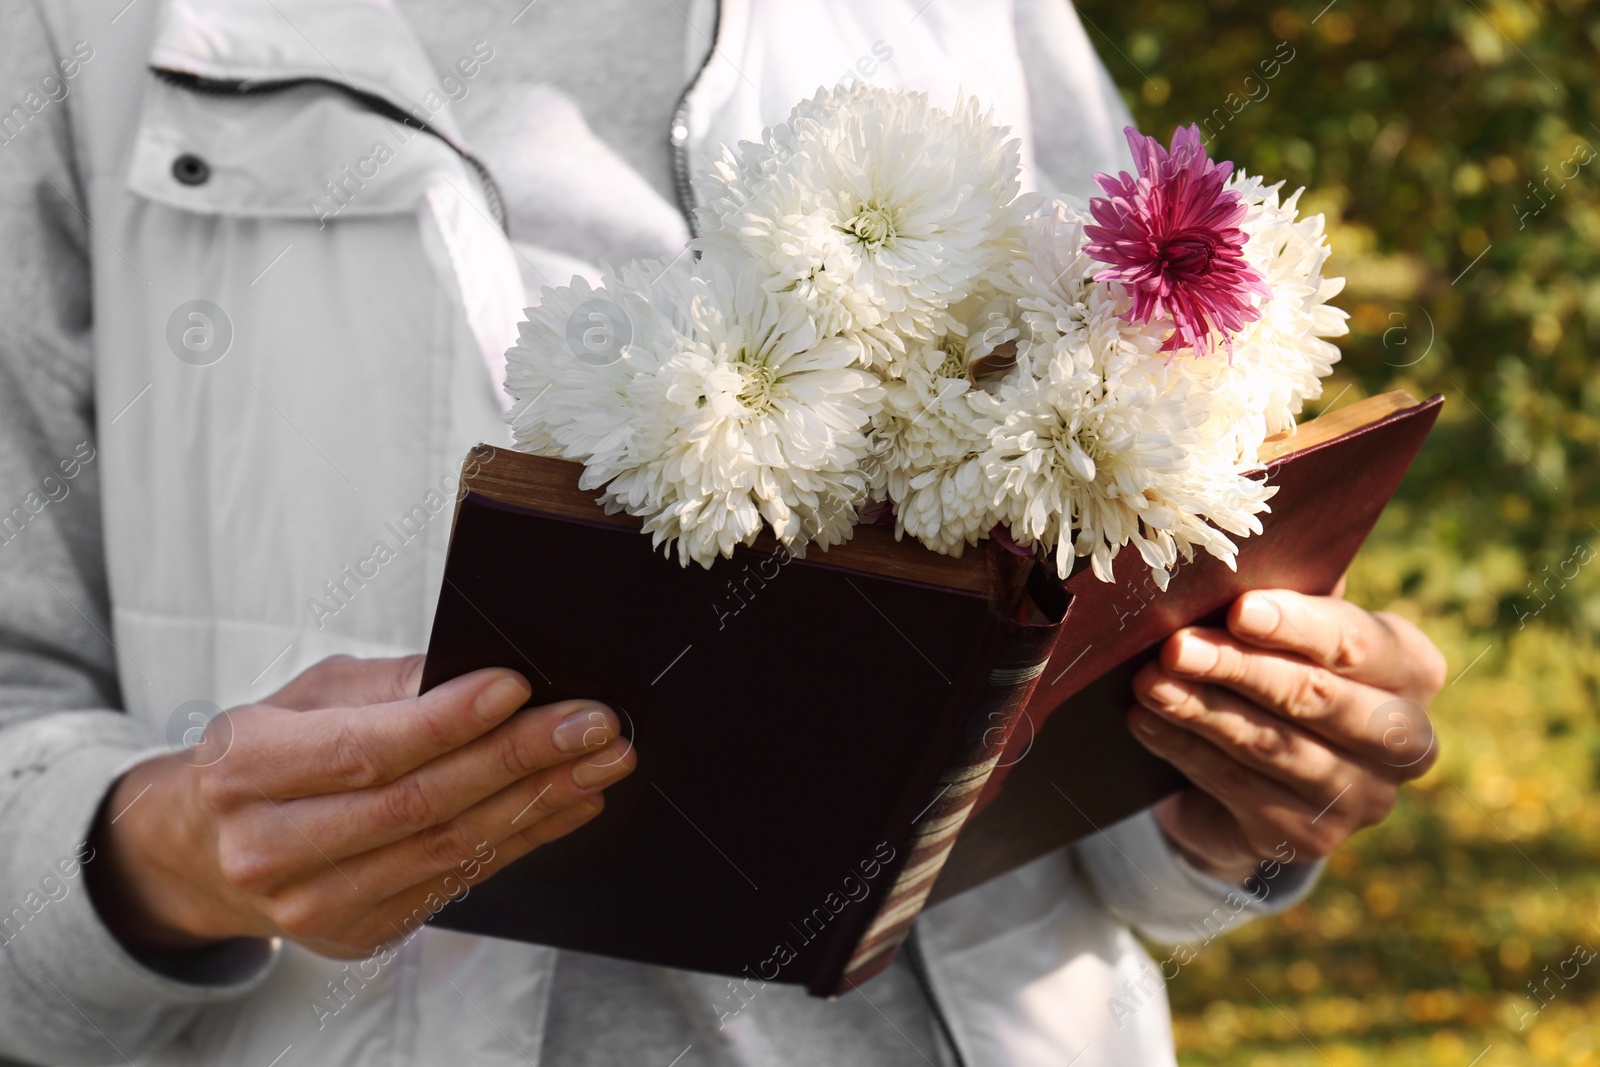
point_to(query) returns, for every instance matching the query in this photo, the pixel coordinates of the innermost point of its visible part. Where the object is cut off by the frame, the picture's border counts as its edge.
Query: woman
(264, 257)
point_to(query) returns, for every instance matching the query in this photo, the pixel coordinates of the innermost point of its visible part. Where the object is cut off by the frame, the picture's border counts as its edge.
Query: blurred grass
(1417, 128)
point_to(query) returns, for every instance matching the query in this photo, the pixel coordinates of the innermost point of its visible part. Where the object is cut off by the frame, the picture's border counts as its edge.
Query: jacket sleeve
(69, 993)
(1138, 874)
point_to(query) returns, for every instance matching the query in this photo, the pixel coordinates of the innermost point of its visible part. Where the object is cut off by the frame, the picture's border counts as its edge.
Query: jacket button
(190, 169)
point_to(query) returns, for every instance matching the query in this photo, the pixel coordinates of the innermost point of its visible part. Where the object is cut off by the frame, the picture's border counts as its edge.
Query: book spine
(1024, 651)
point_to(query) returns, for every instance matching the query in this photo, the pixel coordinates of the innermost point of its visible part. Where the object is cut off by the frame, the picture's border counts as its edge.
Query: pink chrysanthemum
(1172, 237)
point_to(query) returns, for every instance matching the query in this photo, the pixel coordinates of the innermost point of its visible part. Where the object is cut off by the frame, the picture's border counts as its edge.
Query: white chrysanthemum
(873, 209)
(1279, 360)
(575, 356)
(1063, 307)
(1106, 441)
(877, 320)
(1087, 462)
(752, 417)
(936, 423)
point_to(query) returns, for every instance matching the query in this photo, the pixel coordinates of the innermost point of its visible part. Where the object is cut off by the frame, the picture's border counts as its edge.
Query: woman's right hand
(345, 809)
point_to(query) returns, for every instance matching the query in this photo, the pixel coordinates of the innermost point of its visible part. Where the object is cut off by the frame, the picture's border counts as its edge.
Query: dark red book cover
(1071, 766)
(813, 734)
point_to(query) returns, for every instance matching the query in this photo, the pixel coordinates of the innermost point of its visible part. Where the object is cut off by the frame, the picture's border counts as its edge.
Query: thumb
(349, 682)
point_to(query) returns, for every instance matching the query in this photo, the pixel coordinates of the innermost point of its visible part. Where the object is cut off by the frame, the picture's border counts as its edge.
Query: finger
(338, 749)
(1267, 743)
(537, 750)
(1346, 713)
(510, 812)
(349, 682)
(1246, 793)
(1268, 815)
(1265, 811)
(309, 922)
(403, 914)
(1382, 650)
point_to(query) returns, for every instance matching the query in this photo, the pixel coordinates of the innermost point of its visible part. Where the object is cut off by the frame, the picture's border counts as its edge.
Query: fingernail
(1144, 722)
(1167, 693)
(1195, 655)
(1257, 615)
(496, 699)
(602, 768)
(587, 728)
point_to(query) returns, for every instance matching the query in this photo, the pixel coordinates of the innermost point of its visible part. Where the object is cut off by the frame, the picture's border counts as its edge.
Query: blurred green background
(1451, 146)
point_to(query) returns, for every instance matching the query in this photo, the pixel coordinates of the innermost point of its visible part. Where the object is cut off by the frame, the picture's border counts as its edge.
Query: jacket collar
(365, 45)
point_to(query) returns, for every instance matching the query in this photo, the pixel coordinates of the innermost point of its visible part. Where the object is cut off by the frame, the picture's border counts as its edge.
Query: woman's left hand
(1295, 725)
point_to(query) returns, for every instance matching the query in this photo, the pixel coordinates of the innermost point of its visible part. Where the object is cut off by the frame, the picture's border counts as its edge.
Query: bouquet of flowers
(877, 326)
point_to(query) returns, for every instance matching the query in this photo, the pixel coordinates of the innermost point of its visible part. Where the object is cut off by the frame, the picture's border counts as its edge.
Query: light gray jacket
(176, 491)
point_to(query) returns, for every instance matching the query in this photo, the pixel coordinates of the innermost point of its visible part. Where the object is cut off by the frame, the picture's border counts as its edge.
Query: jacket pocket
(300, 149)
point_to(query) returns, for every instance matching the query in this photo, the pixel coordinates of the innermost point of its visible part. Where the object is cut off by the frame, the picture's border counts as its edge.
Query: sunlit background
(1452, 147)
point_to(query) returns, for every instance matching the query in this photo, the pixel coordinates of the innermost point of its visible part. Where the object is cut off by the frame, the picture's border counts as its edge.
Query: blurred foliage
(1452, 147)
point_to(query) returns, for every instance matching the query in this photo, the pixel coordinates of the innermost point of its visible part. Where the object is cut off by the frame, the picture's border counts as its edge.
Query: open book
(828, 744)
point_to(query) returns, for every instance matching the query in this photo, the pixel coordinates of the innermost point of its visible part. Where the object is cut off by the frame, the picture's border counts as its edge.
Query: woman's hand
(1296, 724)
(344, 810)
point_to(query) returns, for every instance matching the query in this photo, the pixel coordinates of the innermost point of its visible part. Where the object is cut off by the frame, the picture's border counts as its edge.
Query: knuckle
(1352, 649)
(1328, 839)
(1401, 628)
(1232, 664)
(405, 804)
(218, 787)
(445, 846)
(301, 916)
(1271, 744)
(483, 866)
(1314, 846)
(354, 764)
(1224, 778)
(1312, 841)
(431, 717)
(541, 805)
(246, 868)
(1191, 704)
(545, 803)
(1431, 668)
(1163, 736)
(1378, 801)
(518, 754)
(1237, 778)
(1312, 694)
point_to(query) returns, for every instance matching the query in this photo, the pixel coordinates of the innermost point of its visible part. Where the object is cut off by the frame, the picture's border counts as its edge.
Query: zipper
(238, 87)
(678, 135)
